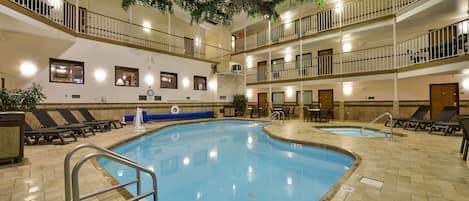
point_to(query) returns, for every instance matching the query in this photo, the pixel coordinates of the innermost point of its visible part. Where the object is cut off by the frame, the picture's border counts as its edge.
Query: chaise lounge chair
(444, 116)
(47, 121)
(48, 134)
(464, 121)
(89, 118)
(96, 125)
(419, 114)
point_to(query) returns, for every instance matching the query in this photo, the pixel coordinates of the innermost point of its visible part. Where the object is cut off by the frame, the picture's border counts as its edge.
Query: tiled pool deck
(416, 167)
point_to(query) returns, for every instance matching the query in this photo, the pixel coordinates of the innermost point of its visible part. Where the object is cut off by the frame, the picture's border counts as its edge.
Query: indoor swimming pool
(230, 160)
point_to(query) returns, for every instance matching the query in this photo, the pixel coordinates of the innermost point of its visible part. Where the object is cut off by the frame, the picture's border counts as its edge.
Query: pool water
(230, 160)
(354, 132)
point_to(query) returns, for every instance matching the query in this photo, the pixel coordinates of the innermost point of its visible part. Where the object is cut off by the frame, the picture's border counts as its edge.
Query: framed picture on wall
(66, 71)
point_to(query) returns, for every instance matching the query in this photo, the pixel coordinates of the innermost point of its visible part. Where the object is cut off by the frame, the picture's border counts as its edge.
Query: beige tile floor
(417, 167)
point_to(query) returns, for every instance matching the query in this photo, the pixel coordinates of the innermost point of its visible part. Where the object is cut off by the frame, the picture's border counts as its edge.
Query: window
(277, 66)
(168, 80)
(125, 76)
(64, 71)
(200, 83)
(278, 98)
(307, 97)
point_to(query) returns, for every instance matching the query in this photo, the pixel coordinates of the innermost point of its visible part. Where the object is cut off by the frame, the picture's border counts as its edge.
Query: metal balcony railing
(437, 44)
(334, 17)
(101, 26)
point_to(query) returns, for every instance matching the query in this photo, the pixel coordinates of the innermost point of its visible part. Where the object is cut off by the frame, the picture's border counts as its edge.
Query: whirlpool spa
(230, 160)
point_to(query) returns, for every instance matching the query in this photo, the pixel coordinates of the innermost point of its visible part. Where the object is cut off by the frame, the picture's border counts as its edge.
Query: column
(395, 102)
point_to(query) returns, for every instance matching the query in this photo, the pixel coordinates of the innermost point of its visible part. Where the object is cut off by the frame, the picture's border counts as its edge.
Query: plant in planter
(12, 122)
(21, 99)
(240, 103)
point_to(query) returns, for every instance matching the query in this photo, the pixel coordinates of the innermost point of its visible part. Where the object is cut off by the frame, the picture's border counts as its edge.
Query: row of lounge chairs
(51, 130)
(441, 123)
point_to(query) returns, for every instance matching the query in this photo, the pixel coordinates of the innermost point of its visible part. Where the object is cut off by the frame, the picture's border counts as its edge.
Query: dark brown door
(262, 103)
(70, 17)
(442, 95)
(325, 62)
(261, 71)
(326, 98)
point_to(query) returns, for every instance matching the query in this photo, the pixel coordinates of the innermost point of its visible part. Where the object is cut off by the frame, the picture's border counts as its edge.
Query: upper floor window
(125, 76)
(64, 71)
(168, 80)
(200, 83)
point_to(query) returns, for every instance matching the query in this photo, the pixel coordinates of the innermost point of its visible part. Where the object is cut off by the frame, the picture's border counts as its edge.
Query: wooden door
(326, 98)
(442, 95)
(261, 71)
(325, 62)
(262, 103)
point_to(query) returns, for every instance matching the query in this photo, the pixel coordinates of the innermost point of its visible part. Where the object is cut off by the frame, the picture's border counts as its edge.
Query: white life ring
(175, 109)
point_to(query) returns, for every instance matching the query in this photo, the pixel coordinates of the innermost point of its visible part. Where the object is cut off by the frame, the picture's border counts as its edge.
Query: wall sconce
(100, 75)
(347, 47)
(149, 79)
(212, 84)
(28, 69)
(146, 26)
(185, 82)
(347, 88)
(289, 92)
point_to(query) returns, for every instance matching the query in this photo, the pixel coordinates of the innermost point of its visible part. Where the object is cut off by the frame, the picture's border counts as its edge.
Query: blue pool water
(230, 160)
(354, 132)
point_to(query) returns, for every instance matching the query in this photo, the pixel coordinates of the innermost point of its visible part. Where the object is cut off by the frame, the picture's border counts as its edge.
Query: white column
(395, 101)
(170, 47)
(269, 71)
(245, 39)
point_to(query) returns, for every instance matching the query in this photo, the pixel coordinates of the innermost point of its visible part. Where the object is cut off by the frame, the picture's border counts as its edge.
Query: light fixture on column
(146, 26)
(249, 93)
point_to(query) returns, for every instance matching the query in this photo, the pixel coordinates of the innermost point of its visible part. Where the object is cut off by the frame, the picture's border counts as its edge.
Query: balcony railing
(438, 44)
(331, 18)
(97, 25)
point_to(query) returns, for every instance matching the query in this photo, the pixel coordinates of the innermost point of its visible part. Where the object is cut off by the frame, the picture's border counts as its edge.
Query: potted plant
(13, 104)
(240, 103)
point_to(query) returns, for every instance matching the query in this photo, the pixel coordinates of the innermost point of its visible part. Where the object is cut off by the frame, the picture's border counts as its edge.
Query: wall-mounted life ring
(175, 109)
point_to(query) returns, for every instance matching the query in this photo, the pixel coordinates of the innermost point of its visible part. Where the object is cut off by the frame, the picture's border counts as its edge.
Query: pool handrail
(71, 179)
(386, 114)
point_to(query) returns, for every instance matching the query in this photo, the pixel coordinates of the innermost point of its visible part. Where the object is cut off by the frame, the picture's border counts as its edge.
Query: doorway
(326, 98)
(262, 103)
(442, 95)
(325, 64)
(261, 71)
(189, 46)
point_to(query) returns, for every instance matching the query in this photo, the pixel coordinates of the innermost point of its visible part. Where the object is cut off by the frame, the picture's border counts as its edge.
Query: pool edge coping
(347, 126)
(329, 195)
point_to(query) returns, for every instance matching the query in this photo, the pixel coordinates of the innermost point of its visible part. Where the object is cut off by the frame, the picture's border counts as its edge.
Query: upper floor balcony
(330, 18)
(88, 24)
(444, 43)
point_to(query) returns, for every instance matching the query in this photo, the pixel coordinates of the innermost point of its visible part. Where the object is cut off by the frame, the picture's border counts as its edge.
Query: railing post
(77, 17)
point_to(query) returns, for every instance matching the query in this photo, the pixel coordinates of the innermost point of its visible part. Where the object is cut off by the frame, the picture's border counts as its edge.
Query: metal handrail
(378, 118)
(279, 114)
(72, 190)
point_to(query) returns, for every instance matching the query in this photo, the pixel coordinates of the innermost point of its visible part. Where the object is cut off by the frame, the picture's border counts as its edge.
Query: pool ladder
(386, 114)
(72, 184)
(280, 115)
